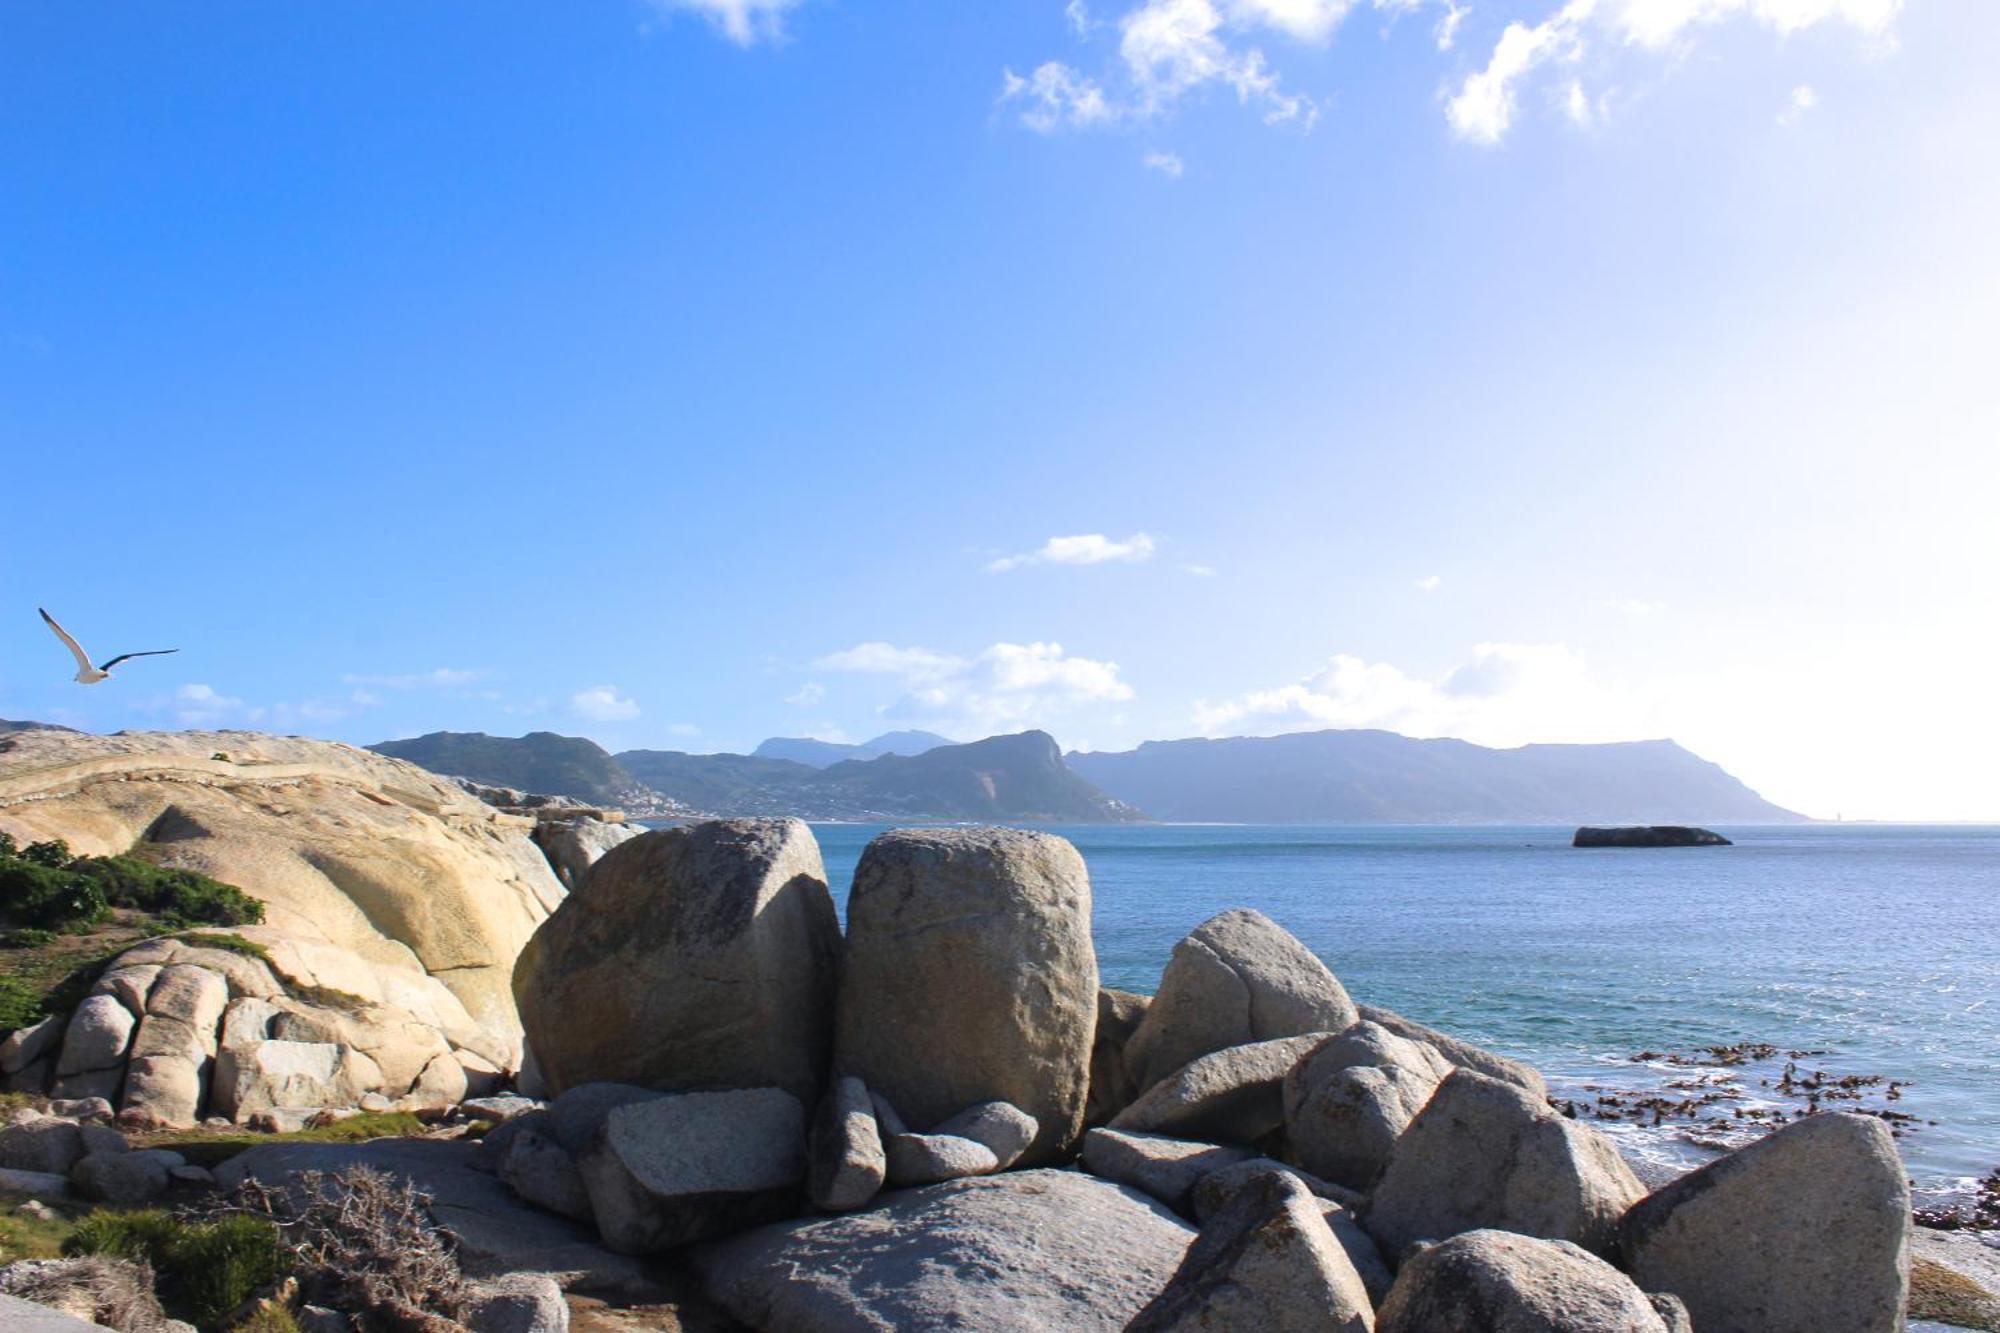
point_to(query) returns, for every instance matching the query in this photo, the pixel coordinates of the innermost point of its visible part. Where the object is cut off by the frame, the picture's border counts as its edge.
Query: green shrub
(183, 897)
(53, 853)
(27, 937)
(20, 1004)
(206, 1269)
(36, 894)
(235, 944)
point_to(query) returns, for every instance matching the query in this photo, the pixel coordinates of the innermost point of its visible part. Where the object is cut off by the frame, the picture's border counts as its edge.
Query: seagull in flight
(86, 674)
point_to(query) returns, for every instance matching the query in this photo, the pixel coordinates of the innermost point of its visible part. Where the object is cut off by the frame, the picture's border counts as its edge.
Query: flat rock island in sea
(1649, 835)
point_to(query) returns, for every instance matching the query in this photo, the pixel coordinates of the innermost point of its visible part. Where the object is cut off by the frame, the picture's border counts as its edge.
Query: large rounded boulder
(1239, 978)
(1483, 1281)
(696, 957)
(970, 978)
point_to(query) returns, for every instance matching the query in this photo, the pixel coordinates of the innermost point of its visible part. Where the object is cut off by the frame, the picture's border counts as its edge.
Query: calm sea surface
(1876, 948)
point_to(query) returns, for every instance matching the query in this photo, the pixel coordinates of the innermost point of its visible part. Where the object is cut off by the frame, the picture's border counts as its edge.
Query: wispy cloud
(807, 695)
(1200, 571)
(1091, 548)
(1430, 583)
(1802, 100)
(1167, 164)
(1007, 686)
(438, 678)
(744, 22)
(603, 703)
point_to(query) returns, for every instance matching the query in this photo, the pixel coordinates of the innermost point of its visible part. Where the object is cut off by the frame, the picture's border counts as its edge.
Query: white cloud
(1167, 164)
(603, 703)
(439, 678)
(1077, 15)
(1009, 686)
(1200, 571)
(198, 705)
(1802, 100)
(1447, 28)
(1172, 47)
(806, 695)
(1430, 583)
(1484, 108)
(744, 22)
(1505, 694)
(1056, 97)
(1090, 548)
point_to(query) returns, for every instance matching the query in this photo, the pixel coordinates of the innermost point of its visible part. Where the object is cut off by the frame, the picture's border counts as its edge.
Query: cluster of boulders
(939, 1119)
(72, 1151)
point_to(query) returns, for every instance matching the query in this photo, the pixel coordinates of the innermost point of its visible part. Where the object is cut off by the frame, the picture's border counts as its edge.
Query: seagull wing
(82, 658)
(125, 657)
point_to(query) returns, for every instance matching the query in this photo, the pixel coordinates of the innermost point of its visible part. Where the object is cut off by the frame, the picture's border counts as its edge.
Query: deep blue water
(1876, 945)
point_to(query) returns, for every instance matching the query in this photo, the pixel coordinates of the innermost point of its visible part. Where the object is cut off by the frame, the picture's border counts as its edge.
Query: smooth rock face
(273, 1074)
(697, 957)
(1235, 1094)
(1352, 1096)
(1462, 1054)
(577, 1115)
(691, 1166)
(536, 1168)
(573, 846)
(1487, 1154)
(98, 1034)
(125, 1178)
(1483, 1281)
(1266, 1264)
(970, 977)
(1239, 978)
(193, 995)
(928, 1159)
(847, 1162)
(1216, 1189)
(1166, 1168)
(1001, 1127)
(1807, 1229)
(168, 1088)
(1024, 1252)
(26, 1045)
(43, 1144)
(1111, 1087)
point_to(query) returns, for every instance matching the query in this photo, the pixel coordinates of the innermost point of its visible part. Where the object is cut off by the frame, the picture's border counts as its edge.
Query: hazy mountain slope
(824, 754)
(540, 761)
(730, 784)
(1380, 777)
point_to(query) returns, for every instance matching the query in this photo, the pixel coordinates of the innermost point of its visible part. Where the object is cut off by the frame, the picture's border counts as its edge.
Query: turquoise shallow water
(1879, 946)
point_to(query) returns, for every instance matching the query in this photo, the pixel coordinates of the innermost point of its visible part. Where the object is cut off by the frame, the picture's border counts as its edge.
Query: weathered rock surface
(125, 1178)
(1218, 1189)
(535, 1167)
(1166, 1168)
(394, 866)
(518, 1303)
(1001, 1127)
(42, 1143)
(168, 1088)
(1024, 1252)
(691, 1166)
(1462, 1054)
(26, 1045)
(1486, 1154)
(33, 1184)
(1483, 1281)
(1808, 1229)
(1265, 1264)
(573, 846)
(696, 957)
(1239, 978)
(497, 1234)
(1235, 1094)
(1111, 1087)
(265, 1075)
(970, 977)
(847, 1165)
(1350, 1098)
(928, 1159)
(577, 1115)
(1214, 1190)
(97, 1037)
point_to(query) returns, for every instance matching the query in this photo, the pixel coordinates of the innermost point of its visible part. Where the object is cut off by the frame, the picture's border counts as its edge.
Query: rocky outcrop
(1266, 1262)
(393, 867)
(1239, 978)
(1808, 1229)
(1023, 1252)
(1111, 1087)
(696, 957)
(1235, 1094)
(1166, 1168)
(1648, 835)
(1352, 1096)
(970, 977)
(689, 1166)
(573, 846)
(1485, 1154)
(1486, 1280)
(1462, 1054)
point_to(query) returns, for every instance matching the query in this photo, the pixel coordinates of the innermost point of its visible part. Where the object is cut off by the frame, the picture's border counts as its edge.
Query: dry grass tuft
(1939, 1293)
(117, 1293)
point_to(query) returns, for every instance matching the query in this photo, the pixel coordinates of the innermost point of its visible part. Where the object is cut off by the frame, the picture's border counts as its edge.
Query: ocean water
(1874, 949)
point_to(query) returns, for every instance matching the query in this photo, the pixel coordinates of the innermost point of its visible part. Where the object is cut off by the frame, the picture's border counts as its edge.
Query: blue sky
(683, 374)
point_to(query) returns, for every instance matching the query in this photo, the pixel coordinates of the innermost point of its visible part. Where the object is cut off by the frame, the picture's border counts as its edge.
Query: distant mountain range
(1370, 777)
(825, 754)
(1333, 777)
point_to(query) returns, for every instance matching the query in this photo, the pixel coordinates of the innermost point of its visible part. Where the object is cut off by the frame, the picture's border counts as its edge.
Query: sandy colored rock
(273, 1074)
(1238, 978)
(695, 1165)
(1235, 1095)
(1352, 1096)
(99, 1033)
(1482, 1281)
(245, 1021)
(189, 994)
(1023, 1252)
(847, 1164)
(696, 957)
(1806, 1229)
(1265, 1264)
(376, 856)
(1486, 1154)
(1111, 1087)
(26, 1045)
(168, 1088)
(970, 977)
